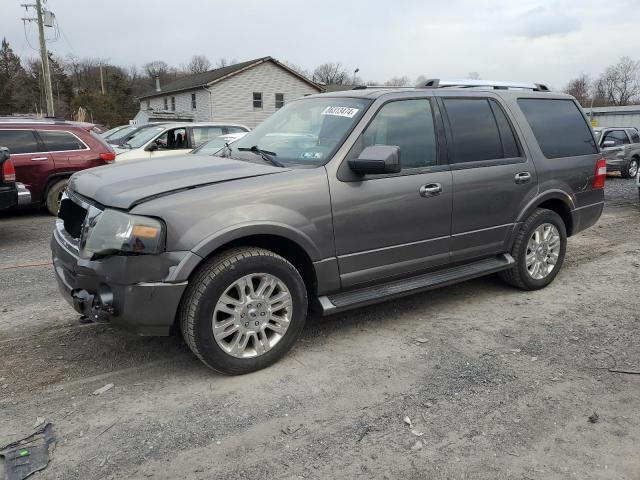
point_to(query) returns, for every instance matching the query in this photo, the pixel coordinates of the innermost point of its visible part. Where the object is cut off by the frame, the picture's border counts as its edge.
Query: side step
(398, 288)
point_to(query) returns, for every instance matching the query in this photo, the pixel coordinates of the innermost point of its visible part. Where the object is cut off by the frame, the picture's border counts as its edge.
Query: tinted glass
(474, 130)
(55, 141)
(618, 137)
(559, 127)
(510, 148)
(635, 138)
(407, 124)
(18, 141)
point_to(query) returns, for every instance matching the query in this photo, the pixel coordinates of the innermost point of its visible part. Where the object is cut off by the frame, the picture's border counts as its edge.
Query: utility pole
(101, 80)
(44, 57)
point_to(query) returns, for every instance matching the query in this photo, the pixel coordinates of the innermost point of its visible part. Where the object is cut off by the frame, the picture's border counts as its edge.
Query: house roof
(198, 80)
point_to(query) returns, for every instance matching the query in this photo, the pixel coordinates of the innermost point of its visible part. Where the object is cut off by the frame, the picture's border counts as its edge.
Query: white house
(244, 93)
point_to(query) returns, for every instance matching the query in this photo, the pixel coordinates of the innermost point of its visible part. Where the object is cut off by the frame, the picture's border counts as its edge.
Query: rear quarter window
(559, 127)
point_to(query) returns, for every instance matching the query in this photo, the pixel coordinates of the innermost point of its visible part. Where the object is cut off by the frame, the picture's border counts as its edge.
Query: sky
(541, 41)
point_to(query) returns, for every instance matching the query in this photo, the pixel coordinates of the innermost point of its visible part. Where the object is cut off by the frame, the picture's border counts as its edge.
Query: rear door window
(59, 141)
(19, 141)
(203, 134)
(559, 127)
(635, 137)
(474, 130)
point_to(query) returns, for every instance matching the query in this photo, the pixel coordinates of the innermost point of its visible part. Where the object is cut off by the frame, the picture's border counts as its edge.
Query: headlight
(115, 232)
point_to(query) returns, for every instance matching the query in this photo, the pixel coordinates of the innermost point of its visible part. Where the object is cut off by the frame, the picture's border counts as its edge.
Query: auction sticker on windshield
(348, 112)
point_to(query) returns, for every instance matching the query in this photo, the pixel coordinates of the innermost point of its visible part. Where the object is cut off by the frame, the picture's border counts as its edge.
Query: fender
(554, 194)
(237, 231)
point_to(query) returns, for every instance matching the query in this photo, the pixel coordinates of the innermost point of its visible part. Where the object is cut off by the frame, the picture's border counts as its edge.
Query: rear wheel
(631, 169)
(538, 250)
(54, 196)
(243, 310)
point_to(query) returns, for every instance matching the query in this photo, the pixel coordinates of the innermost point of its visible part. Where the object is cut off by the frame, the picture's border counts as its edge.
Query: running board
(339, 302)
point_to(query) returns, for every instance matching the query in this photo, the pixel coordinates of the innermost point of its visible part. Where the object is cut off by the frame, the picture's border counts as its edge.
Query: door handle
(522, 177)
(430, 190)
(39, 159)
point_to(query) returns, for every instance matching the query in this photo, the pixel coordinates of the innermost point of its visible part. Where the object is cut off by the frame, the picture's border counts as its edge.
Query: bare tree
(197, 64)
(297, 68)
(223, 62)
(473, 76)
(403, 81)
(331, 73)
(620, 83)
(580, 88)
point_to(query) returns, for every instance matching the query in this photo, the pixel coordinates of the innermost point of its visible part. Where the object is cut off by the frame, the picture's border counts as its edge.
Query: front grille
(72, 216)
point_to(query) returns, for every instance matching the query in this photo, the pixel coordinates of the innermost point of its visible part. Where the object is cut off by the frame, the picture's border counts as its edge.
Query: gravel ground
(497, 383)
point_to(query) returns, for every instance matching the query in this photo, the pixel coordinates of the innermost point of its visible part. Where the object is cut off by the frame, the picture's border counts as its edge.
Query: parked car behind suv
(336, 201)
(171, 139)
(621, 149)
(45, 154)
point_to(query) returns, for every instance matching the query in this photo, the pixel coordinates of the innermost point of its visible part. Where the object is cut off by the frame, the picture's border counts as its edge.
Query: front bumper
(615, 164)
(137, 293)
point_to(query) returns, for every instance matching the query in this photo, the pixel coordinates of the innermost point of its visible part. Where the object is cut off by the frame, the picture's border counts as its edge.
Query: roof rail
(364, 87)
(496, 85)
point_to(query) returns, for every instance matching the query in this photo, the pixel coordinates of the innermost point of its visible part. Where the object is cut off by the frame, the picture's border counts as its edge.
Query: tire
(54, 193)
(519, 275)
(630, 170)
(200, 310)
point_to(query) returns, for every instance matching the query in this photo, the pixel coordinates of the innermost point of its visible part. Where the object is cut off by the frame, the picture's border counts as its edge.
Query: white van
(173, 138)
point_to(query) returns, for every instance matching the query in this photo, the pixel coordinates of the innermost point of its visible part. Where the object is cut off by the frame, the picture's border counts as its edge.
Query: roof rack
(495, 85)
(364, 87)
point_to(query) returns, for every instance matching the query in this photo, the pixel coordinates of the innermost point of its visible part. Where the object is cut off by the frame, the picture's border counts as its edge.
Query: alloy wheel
(543, 250)
(252, 315)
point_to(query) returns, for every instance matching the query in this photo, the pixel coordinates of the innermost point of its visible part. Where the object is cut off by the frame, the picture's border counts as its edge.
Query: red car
(46, 153)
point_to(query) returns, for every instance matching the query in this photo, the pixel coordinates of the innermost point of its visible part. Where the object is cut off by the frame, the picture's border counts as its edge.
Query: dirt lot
(498, 383)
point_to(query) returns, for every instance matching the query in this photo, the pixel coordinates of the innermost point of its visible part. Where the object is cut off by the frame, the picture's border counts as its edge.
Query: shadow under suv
(336, 201)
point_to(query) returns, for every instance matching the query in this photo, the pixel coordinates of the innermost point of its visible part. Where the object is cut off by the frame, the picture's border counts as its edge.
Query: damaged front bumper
(140, 293)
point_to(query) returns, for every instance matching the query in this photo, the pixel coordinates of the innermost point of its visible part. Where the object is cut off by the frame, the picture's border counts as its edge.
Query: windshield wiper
(266, 155)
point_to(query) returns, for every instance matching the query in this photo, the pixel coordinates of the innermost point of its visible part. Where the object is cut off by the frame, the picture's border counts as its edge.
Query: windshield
(121, 133)
(214, 145)
(142, 137)
(306, 132)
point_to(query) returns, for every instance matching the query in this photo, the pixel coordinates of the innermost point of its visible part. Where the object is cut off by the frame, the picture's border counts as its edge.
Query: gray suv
(334, 202)
(620, 148)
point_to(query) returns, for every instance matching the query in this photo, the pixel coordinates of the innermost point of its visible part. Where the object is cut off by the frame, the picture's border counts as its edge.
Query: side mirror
(152, 147)
(377, 159)
(608, 143)
(4, 154)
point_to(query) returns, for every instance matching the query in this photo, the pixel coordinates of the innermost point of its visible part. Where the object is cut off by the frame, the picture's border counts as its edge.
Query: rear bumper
(587, 216)
(128, 292)
(24, 195)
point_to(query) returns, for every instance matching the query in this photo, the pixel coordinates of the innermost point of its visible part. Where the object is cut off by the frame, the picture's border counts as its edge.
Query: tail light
(8, 171)
(108, 157)
(601, 174)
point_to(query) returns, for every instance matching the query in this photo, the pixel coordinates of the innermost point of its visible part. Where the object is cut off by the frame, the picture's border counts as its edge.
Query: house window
(193, 101)
(148, 104)
(279, 100)
(166, 103)
(257, 99)
(173, 104)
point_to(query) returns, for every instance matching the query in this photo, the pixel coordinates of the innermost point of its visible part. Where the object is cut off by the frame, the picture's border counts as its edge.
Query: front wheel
(631, 169)
(538, 250)
(243, 310)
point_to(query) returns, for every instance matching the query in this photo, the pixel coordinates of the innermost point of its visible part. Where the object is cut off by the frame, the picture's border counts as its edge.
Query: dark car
(8, 189)
(336, 201)
(45, 154)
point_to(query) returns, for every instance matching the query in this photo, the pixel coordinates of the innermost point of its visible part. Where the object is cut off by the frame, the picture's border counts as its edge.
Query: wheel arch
(290, 244)
(557, 201)
(51, 180)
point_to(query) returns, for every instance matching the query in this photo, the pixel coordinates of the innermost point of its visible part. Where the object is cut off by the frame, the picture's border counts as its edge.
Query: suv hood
(134, 182)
